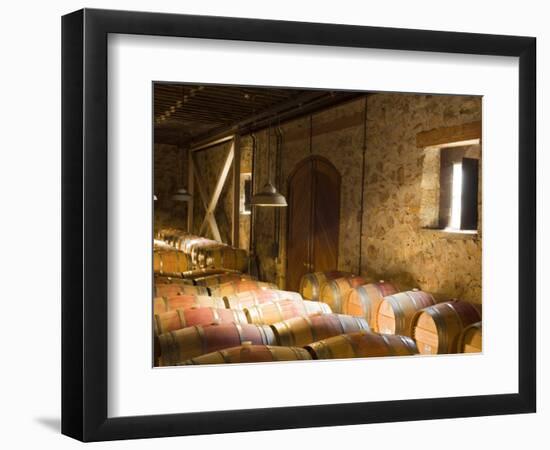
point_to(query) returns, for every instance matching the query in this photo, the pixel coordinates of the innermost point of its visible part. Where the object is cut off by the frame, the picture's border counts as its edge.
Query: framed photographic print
(273, 224)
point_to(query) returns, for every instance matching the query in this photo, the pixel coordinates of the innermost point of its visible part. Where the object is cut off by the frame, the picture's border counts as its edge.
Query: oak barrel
(170, 303)
(234, 287)
(438, 328)
(181, 345)
(364, 301)
(225, 257)
(300, 331)
(268, 313)
(470, 340)
(396, 311)
(247, 299)
(334, 291)
(311, 283)
(170, 261)
(251, 354)
(214, 280)
(170, 289)
(180, 318)
(362, 344)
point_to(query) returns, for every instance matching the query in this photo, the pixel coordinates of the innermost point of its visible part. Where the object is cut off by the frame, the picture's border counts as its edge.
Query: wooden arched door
(313, 219)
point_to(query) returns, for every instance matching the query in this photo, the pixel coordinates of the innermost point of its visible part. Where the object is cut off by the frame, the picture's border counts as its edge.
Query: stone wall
(395, 243)
(170, 173)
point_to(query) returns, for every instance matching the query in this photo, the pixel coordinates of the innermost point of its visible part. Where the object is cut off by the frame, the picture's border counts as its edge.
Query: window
(246, 193)
(450, 185)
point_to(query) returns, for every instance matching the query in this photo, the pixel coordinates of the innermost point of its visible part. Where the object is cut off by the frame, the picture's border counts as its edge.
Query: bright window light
(456, 200)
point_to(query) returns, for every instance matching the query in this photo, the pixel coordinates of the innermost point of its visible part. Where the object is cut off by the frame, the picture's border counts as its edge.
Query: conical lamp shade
(269, 196)
(181, 195)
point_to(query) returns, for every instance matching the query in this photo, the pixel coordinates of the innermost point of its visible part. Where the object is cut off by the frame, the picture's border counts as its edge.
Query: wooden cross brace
(210, 206)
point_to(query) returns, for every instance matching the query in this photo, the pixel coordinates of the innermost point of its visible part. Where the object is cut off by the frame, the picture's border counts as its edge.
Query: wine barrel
(311, 283)
(300, 331)
(437, 328)
(470, 339)
(334, 291)
(268, 313)
(214, 280)
(181, 345)
(181, 318)
(396, 311)
(170, 303)
(251, 354)
(171, 289)
(362, 344)
(160, 279)
(225, 257)
(161, 245)
(234, 287)
(364, 301)
(170, 262)
(248, 299)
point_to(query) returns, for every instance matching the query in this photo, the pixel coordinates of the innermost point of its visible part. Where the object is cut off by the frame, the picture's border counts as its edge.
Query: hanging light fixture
(269, 196)
(181, 195)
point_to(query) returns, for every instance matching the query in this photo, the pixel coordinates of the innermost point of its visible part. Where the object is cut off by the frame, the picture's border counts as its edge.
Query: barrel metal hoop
(225, 356)
(202, 337)
(443, 345)
(351, 343)
(239, 329)
(273, 353)
(181, 316)
(398, 315)
(365, 302)
(335, 288)
(216, 315)
(390, 348)
(310, 323)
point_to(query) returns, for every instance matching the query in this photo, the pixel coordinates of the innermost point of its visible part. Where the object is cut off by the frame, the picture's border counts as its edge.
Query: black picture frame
(84, 224)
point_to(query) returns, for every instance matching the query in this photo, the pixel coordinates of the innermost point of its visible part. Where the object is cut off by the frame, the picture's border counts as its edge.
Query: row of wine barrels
(311, 283)
(171, 289)
(234, 287)
(170, 303)
(247, 299)
(213, 280)
(396, 312)
(186, 343)
(269, 313)
(248, 353)
(186, 317)
(470, 340)
(364, 301)
(437, 328)
(362, 344)
(300, 331)
(334, 291)
(167, 261)
(203, 252)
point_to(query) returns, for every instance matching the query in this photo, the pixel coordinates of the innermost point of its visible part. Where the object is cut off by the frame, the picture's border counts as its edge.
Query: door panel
(313, 219)
(299, 210)
(326, 221)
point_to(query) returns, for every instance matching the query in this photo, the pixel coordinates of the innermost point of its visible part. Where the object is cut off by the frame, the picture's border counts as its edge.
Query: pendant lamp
(269, 196)
(181, 195)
